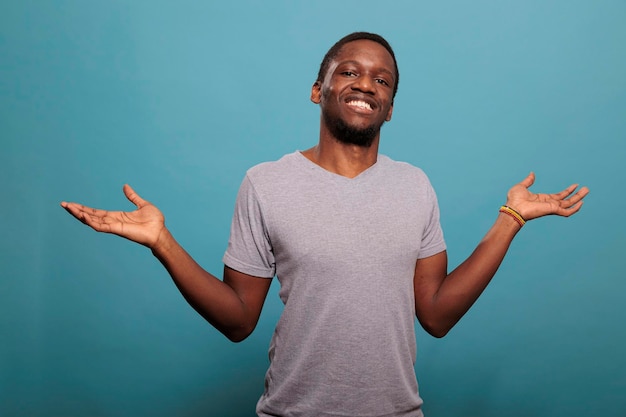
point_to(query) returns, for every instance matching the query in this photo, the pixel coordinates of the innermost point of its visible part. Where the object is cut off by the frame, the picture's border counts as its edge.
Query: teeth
(361, 104)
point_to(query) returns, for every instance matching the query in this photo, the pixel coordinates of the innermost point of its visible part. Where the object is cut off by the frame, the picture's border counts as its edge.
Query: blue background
(180, 98)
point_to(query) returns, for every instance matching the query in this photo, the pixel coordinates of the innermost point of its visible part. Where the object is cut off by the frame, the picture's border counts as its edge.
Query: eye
(349, 73)
(382, 81)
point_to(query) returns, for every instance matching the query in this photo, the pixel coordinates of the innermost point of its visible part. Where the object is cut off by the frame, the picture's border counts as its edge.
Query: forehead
(366, 52)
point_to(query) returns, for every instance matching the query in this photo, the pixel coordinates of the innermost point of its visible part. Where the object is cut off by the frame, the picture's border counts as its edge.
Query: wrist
(513, 214)
(163, 243)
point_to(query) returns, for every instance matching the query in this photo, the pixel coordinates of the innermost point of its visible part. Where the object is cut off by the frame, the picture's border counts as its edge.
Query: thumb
(133, 197)
(529, 180)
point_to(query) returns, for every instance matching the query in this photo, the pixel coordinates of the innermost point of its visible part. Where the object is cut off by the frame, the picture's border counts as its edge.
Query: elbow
(434, 328)
(438, 333)
(238, 334)
(234, 330)
(236, 338)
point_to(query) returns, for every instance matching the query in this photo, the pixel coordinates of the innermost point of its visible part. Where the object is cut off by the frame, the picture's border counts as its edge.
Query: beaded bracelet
(513, 213)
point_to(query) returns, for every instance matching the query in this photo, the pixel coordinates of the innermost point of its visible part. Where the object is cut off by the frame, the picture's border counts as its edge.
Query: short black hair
(356, 36)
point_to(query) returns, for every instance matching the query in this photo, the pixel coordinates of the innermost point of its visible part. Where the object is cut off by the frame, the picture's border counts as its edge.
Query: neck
(340, 158)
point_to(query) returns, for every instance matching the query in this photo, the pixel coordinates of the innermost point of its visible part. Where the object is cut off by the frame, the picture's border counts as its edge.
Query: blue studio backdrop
(178, 99)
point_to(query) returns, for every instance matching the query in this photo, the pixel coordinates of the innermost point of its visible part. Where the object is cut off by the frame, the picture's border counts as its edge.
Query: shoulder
(400, 169)
(278, 167)
(280, 176)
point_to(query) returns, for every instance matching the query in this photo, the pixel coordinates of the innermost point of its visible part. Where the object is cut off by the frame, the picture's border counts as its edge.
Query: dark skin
(360, 73)
(358, 88)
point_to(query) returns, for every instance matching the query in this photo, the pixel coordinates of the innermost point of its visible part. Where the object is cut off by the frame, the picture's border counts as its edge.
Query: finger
(566, 212)
(580, 194)
(76, 210)
(133, 197)
(583, 192)
(101, 220)
(563, 194)
(73, 209)
(529, 180)
(79, 210)
(95, 218)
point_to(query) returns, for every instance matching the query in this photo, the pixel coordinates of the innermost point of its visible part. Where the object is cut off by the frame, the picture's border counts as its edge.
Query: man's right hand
(144, 225)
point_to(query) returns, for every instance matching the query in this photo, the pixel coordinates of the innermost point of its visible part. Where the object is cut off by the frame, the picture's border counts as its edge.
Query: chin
(350, 134)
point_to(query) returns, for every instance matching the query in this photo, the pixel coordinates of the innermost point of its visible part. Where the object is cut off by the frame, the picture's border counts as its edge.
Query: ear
(316, 92)
(389, 113)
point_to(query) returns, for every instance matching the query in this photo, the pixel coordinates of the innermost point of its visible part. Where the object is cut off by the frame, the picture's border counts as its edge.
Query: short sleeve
(432, 239)
(249, 248)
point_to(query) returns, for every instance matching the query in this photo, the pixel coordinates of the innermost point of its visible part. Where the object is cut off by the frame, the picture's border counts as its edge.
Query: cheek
(326, 92)
(389, 113)
(329, 97)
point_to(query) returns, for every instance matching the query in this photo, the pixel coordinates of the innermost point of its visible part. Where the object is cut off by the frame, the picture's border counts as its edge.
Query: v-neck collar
(362, 175)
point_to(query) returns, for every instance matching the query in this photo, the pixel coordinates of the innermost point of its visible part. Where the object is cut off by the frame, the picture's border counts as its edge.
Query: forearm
(211, 297)
(459, 290)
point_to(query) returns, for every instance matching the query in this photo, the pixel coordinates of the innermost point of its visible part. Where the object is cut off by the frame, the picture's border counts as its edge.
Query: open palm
(531, 205)
(143, 225)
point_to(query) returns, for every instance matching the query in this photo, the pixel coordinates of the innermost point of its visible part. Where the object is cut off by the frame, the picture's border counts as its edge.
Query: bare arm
(232, 306)
(441, 299)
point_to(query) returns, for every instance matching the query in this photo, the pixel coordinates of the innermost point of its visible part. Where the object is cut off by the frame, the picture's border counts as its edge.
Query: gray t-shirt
(344, 251)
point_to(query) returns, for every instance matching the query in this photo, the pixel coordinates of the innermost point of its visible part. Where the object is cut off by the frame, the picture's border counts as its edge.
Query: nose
(365, 84)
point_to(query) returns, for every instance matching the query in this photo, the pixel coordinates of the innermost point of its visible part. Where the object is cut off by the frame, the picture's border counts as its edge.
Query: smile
(360, 104)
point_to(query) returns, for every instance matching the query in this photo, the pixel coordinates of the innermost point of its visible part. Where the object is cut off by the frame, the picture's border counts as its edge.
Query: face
(356, 95)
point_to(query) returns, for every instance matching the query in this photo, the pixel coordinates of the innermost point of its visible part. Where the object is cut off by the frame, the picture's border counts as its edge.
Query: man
(355, 241)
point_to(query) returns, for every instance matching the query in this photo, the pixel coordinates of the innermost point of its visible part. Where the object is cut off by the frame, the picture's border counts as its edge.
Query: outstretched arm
(441, 299)
(233, 305)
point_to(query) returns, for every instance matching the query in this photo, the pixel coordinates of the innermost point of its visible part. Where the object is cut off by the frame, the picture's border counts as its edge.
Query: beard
(351, 135)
